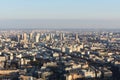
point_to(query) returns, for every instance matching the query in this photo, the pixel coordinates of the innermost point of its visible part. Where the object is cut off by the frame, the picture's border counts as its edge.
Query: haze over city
(59, 14)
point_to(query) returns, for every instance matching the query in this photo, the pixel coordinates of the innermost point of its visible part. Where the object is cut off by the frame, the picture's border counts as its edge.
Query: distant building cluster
(59, 55)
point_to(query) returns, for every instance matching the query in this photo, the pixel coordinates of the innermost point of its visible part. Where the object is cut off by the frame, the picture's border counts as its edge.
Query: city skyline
(59, 40)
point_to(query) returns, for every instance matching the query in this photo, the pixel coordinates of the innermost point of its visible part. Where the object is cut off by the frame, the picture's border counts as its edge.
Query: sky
(60, 13)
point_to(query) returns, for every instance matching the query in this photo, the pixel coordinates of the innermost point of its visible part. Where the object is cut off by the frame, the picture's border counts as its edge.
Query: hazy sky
(92, 13)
